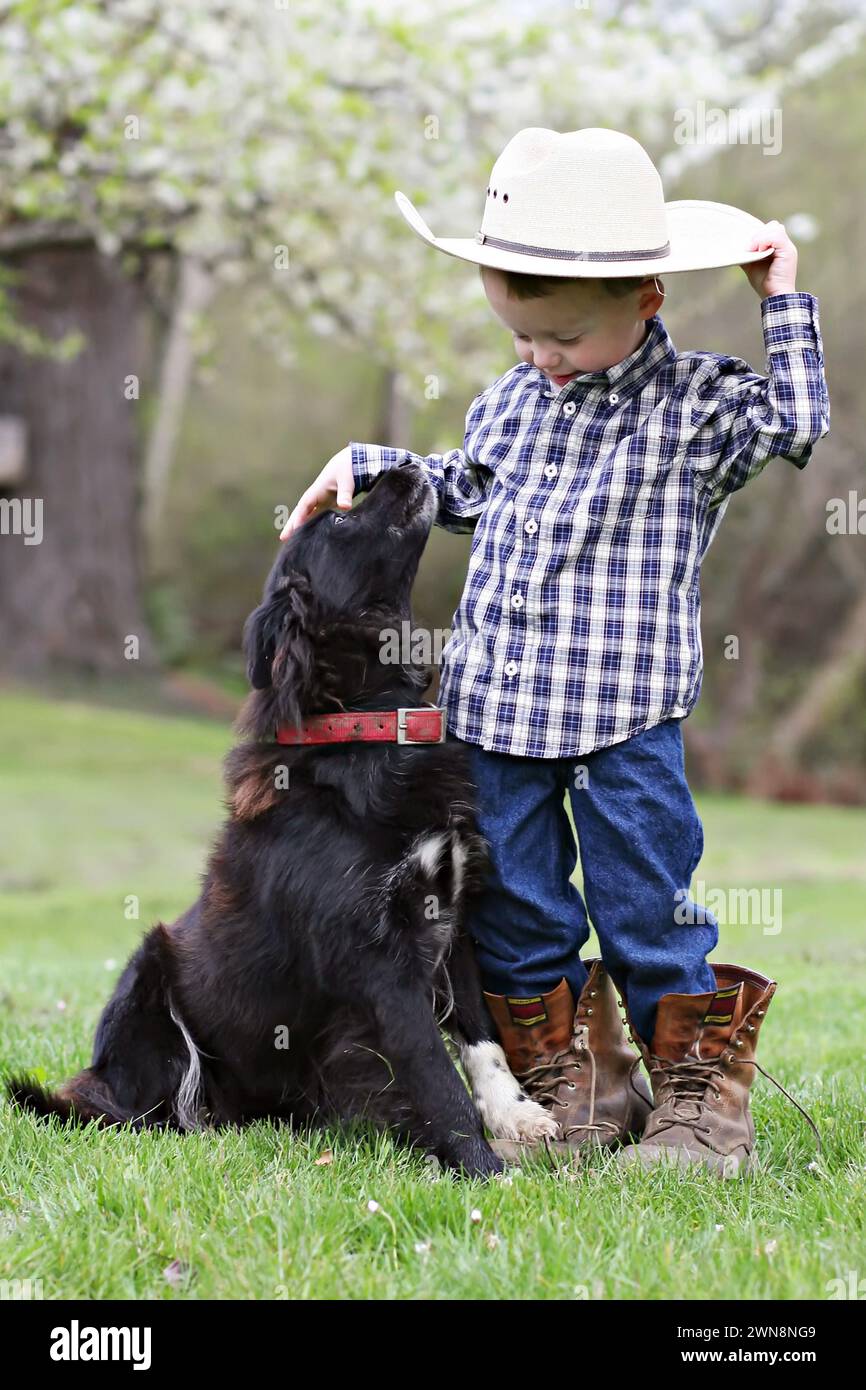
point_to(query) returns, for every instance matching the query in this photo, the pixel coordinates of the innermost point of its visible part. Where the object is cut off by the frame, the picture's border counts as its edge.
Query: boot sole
(557, 1150)
(725, 1166)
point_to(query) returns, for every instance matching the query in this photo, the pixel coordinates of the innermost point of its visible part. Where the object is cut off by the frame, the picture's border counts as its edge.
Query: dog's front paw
(504, 1107)
(526, 1121)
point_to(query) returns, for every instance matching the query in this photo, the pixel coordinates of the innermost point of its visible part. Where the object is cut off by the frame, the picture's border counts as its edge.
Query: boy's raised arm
(746, 419)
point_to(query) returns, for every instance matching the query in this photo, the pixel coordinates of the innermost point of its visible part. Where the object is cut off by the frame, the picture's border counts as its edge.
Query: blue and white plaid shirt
(592, 507)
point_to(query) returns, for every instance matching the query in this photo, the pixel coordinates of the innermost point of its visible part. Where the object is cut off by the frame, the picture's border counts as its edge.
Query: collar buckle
(420, 724)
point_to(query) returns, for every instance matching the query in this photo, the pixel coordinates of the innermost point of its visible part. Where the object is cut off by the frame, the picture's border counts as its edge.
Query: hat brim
(703, 236)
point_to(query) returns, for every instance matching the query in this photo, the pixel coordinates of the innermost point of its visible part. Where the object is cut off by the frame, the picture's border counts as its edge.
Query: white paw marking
(503, 1107)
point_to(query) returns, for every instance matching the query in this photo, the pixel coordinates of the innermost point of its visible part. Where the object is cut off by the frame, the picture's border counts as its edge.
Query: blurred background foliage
(290, 130)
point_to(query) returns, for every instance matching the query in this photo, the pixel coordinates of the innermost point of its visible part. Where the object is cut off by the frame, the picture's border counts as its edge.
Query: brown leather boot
(575, 1062)
(702, 1064)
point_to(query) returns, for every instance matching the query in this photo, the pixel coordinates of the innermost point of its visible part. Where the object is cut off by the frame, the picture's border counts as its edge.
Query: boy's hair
(523, 286)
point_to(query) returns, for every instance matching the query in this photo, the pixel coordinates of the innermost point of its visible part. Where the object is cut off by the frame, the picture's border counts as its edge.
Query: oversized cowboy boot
(575, 1062)
(702, 1064)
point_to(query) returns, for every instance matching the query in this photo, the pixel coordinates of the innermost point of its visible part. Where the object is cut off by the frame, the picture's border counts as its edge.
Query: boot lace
(689, 1080)
(542, 1082)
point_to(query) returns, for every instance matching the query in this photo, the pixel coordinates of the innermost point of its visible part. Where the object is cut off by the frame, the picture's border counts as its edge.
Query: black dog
(306, 982)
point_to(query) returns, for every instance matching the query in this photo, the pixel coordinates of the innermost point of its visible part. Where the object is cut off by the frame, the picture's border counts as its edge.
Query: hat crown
(594, 191)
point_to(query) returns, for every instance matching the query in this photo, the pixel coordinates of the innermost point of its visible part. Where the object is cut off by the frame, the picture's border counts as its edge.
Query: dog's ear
(279, 641)
(260, 643)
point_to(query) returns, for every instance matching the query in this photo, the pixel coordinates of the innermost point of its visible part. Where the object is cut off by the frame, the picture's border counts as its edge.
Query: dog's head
(341, 579)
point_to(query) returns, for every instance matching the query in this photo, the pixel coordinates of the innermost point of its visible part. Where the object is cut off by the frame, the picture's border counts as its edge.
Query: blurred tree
(259, 145)
(786, 717)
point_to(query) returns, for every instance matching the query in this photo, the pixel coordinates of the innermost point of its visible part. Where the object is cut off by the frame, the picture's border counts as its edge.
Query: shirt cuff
(369, 460)
(791, 321)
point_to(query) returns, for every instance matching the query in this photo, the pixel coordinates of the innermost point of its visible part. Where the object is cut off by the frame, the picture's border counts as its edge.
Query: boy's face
(576, 327)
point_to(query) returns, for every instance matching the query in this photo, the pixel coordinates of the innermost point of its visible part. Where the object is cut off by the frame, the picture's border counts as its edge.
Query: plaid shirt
(592, 507)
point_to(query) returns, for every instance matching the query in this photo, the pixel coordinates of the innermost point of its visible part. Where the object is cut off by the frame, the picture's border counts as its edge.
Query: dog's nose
(408, 474)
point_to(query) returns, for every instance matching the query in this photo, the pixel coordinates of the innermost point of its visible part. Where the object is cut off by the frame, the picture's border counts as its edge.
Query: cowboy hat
(591, 203)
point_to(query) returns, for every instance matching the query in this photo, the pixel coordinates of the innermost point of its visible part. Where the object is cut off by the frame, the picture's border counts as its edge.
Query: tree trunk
(194, 291)
(394, 412)
(73, 600)
(844, 662)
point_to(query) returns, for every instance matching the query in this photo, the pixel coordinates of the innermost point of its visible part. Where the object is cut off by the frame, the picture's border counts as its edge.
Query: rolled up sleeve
(745, 419)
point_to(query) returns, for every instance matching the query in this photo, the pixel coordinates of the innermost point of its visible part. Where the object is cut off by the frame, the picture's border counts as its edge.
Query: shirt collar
(629, 374)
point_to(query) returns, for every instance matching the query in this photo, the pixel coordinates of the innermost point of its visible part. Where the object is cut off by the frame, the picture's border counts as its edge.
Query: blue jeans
(640, 841)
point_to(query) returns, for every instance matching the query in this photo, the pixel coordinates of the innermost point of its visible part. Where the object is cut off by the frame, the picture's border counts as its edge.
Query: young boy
(594, 475)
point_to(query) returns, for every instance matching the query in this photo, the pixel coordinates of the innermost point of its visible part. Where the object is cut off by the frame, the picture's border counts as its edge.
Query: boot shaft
(722, 1027)
(533, 1028)
(701, 1065)
(575, 1060)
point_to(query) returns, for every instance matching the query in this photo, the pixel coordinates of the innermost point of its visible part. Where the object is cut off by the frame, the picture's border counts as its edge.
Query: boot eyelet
(589, 1013)
(571, 1086)
(738, 1042)
(592, 993)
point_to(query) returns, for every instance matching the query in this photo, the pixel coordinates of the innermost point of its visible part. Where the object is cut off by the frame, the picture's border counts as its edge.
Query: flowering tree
(148, 143)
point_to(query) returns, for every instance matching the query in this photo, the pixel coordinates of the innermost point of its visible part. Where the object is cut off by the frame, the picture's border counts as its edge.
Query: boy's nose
(546, 358)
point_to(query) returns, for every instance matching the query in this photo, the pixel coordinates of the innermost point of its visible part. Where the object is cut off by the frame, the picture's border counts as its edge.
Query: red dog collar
(424, 724)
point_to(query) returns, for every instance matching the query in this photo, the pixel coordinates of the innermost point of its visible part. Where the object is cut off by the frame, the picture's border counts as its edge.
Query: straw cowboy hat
(591, 203)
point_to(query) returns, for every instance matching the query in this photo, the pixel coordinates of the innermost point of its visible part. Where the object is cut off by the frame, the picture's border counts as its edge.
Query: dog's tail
(83, 1098)
(27, 1094)
(146, 1070)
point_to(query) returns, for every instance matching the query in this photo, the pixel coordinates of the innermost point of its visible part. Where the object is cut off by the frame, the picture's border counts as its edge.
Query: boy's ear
(279, 641)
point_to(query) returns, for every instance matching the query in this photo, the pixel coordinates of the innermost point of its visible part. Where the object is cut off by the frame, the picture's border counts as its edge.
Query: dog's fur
(308, 980)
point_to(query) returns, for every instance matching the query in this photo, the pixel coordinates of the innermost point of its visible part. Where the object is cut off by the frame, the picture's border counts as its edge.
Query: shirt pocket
(622, 493)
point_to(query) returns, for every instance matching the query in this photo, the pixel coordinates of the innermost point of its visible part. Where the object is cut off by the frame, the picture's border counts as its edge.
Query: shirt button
(517, 601)
(511, 668)
(613, 398)
(531, 527)
(550, 471)
(569, 408)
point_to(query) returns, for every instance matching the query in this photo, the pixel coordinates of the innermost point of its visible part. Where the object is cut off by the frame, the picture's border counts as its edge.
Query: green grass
(104, 807)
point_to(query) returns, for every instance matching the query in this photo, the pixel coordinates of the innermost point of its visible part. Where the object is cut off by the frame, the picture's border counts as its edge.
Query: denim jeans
(640, 840)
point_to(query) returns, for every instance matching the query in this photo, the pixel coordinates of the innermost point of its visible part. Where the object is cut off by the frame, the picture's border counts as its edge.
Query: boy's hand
(335, 477)
(778, 273)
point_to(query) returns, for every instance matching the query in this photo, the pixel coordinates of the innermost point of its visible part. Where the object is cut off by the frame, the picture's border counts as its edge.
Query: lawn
(108, 813)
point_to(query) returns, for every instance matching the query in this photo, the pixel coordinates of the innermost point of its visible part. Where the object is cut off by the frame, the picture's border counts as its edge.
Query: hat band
(551, 253)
